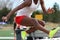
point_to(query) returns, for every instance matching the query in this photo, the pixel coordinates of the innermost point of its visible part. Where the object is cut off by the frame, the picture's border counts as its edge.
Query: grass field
(6, 31)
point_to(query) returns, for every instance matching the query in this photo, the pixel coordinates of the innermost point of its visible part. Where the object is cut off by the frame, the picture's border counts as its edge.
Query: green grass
(6, 33)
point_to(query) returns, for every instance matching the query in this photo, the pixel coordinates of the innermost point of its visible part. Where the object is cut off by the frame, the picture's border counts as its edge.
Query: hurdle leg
(18, 34)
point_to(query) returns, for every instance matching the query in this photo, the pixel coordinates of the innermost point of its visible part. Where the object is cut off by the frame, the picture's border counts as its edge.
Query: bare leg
(33, 23)
(34, 29)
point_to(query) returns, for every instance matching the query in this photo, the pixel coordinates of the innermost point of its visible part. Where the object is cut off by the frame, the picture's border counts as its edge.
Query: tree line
(54, 17)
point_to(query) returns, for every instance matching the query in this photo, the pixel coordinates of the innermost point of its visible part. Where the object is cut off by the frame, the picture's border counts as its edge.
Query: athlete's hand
(50, 11)
(5, 19)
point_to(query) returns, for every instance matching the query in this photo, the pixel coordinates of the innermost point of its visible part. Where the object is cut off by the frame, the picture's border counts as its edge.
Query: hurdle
(37, 35)
(19, 34)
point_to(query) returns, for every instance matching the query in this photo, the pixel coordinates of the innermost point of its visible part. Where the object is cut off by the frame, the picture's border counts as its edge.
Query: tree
(56, 7)
(56, 15)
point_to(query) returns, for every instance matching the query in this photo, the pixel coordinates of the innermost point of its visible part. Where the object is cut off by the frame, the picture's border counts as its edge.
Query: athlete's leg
(34, 29)
(31, 22)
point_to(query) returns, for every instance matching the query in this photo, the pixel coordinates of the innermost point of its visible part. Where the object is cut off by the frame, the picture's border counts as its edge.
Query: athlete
(23, 16)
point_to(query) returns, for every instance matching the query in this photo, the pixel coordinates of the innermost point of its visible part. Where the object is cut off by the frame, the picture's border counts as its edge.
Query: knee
(42, 23)
(35, 22)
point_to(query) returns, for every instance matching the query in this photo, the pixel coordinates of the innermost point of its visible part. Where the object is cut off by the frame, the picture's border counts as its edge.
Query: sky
(48, 3)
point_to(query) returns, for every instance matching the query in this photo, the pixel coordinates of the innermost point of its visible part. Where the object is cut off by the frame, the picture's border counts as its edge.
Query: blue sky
(48, 3)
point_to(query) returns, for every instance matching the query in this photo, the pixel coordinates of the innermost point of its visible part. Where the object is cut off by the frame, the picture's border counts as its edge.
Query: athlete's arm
(24, 4)
(43, 6)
